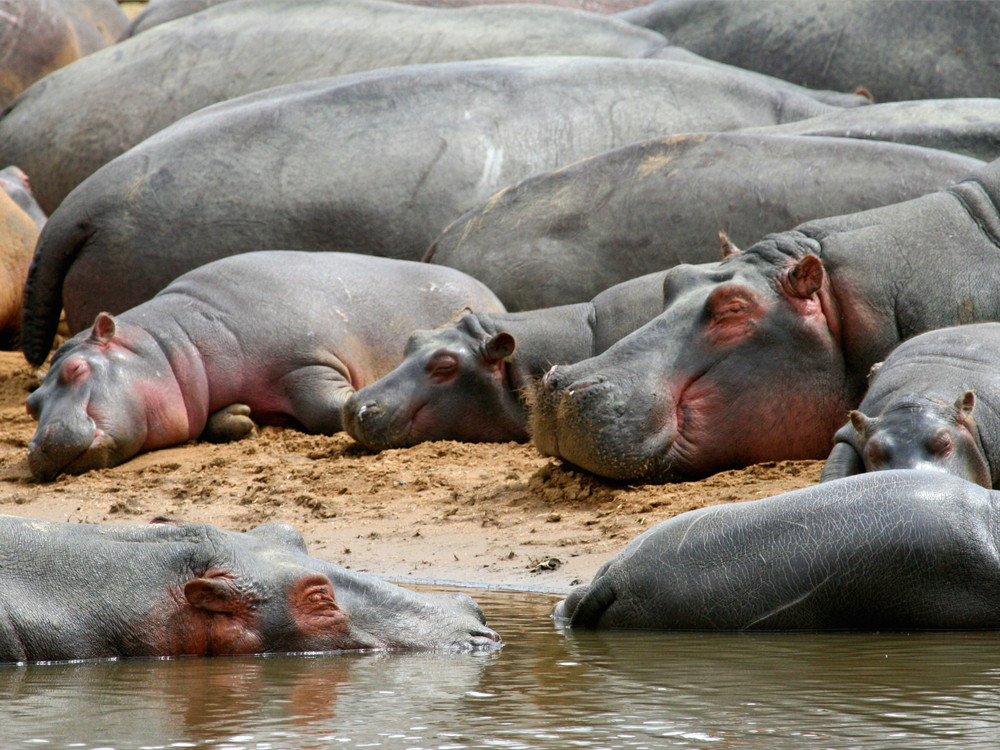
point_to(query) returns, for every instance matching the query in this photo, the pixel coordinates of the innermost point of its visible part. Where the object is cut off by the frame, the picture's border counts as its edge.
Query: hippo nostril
(582, 385)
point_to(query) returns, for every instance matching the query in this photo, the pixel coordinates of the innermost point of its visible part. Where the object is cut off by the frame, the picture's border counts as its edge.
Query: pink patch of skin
(321, 623)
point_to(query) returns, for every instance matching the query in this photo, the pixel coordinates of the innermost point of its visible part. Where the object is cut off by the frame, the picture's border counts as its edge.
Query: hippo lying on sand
(563, 236)
(900, 550)
(468, 380)
(89, 591)
(760, 356)
(933, 404)
(20, 221)
(416, 147)
(283, 336)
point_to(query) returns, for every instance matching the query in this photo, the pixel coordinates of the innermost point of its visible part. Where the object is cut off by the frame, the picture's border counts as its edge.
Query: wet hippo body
(21, 220)
(468, 380)
(123, 95)
(933, 404)
(900, 550)
(563, 236)
(89, 591)
(382, 187)
(962, 126)
(760, 356)
(283, 336)
(908, 49)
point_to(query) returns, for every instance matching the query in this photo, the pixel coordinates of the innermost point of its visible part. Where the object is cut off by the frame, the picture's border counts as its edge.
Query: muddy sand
(498, 515)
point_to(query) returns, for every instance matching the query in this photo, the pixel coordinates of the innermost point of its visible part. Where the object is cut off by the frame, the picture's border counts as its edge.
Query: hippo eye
(75, 370)
(442, 367)
(940, 444)
(876, 453)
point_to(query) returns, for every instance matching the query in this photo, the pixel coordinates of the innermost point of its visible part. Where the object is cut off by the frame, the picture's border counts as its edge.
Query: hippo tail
(59, 243)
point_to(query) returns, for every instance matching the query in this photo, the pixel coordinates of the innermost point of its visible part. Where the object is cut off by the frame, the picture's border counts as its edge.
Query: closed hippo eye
(321, 623)
(940, 444)
(443, 367)
(876, 453)
(74, 370)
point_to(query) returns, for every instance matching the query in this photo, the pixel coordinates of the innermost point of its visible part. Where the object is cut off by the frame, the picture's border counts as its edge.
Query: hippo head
(743, 365)
(921, 432)
(261, 592)
(455, 383)
(108, 394)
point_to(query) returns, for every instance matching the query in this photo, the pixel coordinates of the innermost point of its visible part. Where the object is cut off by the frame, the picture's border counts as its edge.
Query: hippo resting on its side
(20, 221)
(468, 380)
(760, 356)
(933, 404)
(905, 49)
(283, 336)
(563, 236)
(416, 147)
(899, 550)
(93, 591)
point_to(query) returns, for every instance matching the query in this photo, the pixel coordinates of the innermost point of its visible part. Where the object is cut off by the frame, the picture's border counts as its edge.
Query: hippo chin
(197, 590)
(896, 550)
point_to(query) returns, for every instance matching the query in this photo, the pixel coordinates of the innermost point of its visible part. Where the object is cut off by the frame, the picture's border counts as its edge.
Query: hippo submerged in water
(898, 550)
(933, 403)
(89, 591)
(760, 356)
(283, 337)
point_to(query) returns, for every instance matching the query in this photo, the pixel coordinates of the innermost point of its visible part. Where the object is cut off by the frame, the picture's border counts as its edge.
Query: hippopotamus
(907, 49)
(563, 236)
(896, 550)
(40, 36)
(97, 591)
(962, 126)
(468, 380)
(125, 94)
(383, 186)
(20, 222)
(280, 335)
(759, 356)
(933, 404)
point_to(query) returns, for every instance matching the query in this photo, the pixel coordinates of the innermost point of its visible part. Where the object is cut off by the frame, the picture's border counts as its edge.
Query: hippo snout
(58, 444)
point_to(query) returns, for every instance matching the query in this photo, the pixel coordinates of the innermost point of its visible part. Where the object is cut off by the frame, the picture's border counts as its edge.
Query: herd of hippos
(502, 222)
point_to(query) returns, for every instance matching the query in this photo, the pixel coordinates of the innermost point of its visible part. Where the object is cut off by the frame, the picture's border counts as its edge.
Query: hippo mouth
(379, 428)
(53, 455)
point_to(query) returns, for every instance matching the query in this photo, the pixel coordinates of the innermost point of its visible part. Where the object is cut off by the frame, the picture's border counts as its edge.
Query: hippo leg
(229, 424)
(843, 461)
(317, 395)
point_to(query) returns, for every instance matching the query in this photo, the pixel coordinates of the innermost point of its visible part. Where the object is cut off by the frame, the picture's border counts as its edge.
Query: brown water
(546, 689)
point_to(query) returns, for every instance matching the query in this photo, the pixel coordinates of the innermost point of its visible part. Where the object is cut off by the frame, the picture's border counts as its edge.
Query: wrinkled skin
(933, 404)
(282, 337)
(901, 50)
(900, 550)
(38, 37)
(122, 95)
(382, 187)
(563, 236)
(760, 356)
(20, 222)
(89, 591)
(468, 380)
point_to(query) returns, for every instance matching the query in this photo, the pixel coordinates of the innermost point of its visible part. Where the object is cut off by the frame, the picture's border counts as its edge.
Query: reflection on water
(546, 689)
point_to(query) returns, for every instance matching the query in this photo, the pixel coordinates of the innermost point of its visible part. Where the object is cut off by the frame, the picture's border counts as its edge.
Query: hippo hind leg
(229, 424)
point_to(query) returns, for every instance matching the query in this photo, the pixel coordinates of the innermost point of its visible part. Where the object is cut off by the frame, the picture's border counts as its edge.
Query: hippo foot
(226, 425)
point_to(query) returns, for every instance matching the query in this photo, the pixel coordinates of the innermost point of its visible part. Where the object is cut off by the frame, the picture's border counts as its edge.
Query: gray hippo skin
(760, 356)
(468, 380)
(40, 36)
(899, 550)
(906, 49)
(90, 591)
(416, 147)
(20, 222)
(125, 94)
(284, 337)
(933, 404)
(563, 236)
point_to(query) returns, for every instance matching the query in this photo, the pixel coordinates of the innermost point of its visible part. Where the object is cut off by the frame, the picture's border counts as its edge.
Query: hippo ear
(862, 424)
(966, 403)
(499, 347)
(728, 248)
(216, 594)
(873, 371)
(805, 278)
(104, 328)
